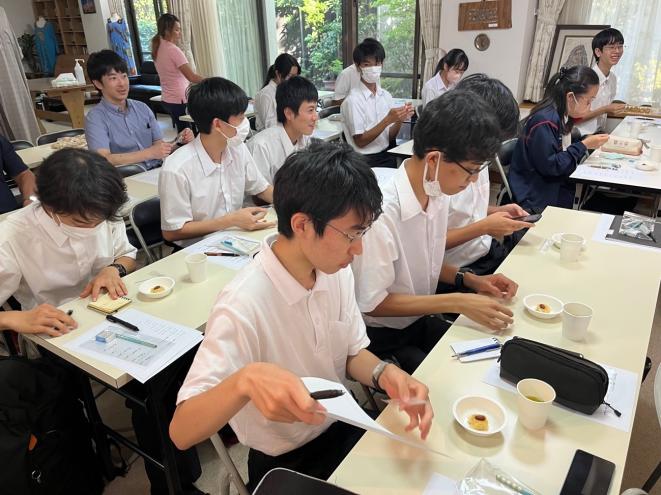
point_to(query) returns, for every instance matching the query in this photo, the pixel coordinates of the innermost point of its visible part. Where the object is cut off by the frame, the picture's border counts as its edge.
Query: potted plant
(29, 50)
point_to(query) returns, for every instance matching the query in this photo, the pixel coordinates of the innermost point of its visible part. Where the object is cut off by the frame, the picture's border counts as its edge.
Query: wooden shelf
(66, 16)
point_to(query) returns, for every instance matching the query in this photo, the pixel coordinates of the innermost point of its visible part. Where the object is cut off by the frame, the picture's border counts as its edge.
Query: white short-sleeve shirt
(265, 106)
(348, 79)
(362, 110)
(265, 315)
(402, 252)
(192, 187)
(605, 96)
(433, 88)
(271, 147)
(467, 207)
(40, 263)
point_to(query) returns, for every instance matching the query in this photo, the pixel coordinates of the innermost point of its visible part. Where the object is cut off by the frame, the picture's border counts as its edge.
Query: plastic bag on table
(637, 226)
(487, 479)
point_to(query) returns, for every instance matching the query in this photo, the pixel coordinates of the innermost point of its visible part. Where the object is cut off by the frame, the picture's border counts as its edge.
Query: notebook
(105, 304)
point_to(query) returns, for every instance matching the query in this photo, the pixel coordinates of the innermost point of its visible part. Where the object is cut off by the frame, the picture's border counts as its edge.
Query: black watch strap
(120, 268)
(459, 277)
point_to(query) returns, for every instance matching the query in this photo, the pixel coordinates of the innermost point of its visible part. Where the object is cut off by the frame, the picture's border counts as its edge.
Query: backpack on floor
(45, 440)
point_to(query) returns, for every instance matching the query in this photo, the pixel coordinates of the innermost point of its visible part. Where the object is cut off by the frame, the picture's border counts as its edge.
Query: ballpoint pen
(114, 319)
(211, 253)
(477, 350)
(326, 394)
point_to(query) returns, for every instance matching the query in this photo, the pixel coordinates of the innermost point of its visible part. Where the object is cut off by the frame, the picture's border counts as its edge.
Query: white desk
(32, 157)
(328, 130)
(250, 112)
(627, 176)
(619, 335)
(404, 150)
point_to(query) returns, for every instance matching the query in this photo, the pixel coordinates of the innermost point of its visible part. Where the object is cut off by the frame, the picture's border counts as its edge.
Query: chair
(281, 481)
(327, 112)
(129, 170)
(231, 473)
(21, 144)
(145, 219)
(54, 136)
(503, 160)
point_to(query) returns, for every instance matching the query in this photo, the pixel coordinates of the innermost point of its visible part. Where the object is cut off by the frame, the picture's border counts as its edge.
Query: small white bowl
(465, 407)
(647, 166)
(531, 302)
(557, 239)
(147, 287)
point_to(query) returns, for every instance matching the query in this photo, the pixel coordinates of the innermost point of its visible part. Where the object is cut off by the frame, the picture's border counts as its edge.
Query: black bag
(45, 441)
(579, 383)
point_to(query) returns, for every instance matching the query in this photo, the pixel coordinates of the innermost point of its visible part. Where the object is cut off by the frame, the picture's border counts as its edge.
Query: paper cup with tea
(534, 402)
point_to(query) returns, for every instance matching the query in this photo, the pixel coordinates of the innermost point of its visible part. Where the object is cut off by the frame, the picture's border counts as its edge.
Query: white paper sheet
(604, 228)
(441, 485)
(137, 360)
(621, 395)
(149, 177)
(214, 244)
(467, 345)
(346, 409)
(324, 134)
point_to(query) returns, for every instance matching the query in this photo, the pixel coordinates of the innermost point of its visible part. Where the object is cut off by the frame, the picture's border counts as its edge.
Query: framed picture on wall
(572, 45)
(88, 6)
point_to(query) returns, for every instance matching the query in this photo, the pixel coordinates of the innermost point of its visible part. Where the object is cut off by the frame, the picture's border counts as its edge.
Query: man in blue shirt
(122, 130)
(12, 166)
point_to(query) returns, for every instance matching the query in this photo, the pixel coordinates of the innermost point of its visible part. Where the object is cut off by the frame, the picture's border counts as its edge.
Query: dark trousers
(409, 345)
(317, 458)
(382, 159)
(177, 110)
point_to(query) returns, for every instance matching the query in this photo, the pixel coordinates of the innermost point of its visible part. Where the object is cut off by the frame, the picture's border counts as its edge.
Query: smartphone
(529, 218)
(588, 475)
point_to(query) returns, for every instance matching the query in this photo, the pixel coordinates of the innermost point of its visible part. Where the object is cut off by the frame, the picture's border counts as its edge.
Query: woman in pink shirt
(173, 68)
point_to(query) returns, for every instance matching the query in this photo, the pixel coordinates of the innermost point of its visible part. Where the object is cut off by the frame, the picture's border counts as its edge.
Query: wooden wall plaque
(486, 14)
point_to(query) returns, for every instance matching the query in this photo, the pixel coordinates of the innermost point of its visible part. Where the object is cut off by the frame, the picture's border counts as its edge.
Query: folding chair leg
(370, 397)
(226, 460)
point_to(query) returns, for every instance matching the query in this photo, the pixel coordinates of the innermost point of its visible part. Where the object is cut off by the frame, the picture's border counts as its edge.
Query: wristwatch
(459, 277)
(120, 268)
(376, 374)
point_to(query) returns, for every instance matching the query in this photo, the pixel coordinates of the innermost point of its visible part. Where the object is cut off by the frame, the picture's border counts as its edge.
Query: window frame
(159, 9)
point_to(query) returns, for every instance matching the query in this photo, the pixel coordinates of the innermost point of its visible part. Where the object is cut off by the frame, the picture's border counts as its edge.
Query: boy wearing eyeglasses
(294, 307)
(396, 279)
(608, 48)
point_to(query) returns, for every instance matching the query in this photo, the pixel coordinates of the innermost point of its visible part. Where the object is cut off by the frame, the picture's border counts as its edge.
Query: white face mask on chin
(371, 75)
(242, 131)
(432, 188)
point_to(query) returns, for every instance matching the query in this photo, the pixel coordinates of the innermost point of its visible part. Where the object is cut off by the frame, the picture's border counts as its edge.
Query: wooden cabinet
(65, 17)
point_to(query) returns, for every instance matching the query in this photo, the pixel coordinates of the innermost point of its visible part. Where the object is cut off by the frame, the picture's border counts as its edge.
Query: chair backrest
(285, 481)
(145, 219)
(506, 151)
(129, 170)
(51, 137)
(327, 112)
(21, 144)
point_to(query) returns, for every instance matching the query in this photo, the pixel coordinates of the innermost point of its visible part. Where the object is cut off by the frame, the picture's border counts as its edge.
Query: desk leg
(74, 102)
(655, 205)
(577, 196)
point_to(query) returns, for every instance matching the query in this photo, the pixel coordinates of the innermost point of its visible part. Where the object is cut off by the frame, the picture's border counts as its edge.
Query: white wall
(507, 57)
(94, 26)
(20, 15)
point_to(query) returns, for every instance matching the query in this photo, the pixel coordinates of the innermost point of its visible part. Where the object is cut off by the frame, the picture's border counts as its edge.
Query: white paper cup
(570, 246)
(534, 402)
(197, 267)
(634, 129)
(576, 319)
(655, 152)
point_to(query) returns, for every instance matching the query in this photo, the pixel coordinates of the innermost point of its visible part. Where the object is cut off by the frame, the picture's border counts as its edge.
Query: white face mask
(79, 233)
(453, 78)
(371, 75)
(432, 187)
(242, 131)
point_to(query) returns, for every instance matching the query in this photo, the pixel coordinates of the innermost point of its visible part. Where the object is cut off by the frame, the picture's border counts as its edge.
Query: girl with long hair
(449, 71)
(284, 67)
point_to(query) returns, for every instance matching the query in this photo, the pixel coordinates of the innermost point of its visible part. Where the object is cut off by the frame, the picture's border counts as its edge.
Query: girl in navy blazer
(545, 156)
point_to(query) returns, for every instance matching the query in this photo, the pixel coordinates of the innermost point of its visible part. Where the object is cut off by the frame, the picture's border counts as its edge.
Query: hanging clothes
(16, 109)
(120, 42)
(46, 45)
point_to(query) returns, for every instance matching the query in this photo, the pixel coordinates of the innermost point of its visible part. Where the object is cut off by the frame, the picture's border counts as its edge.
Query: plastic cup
(197, 267)
(655, 152)
(576, 319)
(570, 247)
(634, 129)
(534, 402)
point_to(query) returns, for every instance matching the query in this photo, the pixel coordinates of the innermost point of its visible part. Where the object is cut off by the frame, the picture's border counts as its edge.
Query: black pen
(70, 312)
(326, 394)
(123, 323)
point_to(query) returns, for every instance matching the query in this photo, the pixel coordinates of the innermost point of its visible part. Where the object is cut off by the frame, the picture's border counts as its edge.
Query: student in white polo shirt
(295, 307)
(396, 278)
(296, 101)
(349, 78)
(284, 67)
(370, 122)
(607, 48)
(481, 236)
(202, 185)
(449, 70)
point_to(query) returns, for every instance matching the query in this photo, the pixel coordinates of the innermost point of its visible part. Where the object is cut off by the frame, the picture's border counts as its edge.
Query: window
(393, 23)
(143, 15)
(311, 31)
